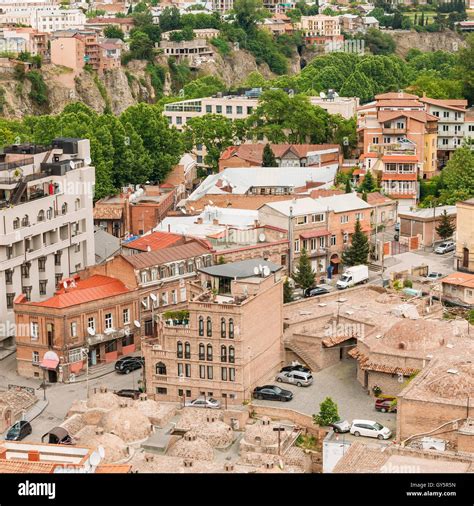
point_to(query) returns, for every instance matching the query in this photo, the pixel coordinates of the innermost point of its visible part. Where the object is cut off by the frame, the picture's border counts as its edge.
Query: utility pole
(290, 241)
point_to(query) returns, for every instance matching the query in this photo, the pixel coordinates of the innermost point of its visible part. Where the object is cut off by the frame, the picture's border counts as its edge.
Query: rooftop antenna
(322, 94)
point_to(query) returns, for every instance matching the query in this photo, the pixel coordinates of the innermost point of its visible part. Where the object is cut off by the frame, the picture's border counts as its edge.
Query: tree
(114, 32)
(247, 13)
(328, 413)
(268, 158)
(358, 85)
(445, 228)
(358, 251)
(379, 42)
(141, 47)
(170, 19)
(287, 292)
(458, 176)
(368, 184)
(205, 86)
(348, 188)
(466, 59)
(305, 275)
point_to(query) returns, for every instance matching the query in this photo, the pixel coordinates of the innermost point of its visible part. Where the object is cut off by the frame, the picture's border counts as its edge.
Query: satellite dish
(266, 270)
(144, 304)
(101, 451)
(184, 211)
(256, 271)
(87, 466)
(71, 164)
(153, 297)
(91, 331)
(87, 160)
(211, 202)
(95, 459)
(261, 237)
(322, 94)
(137, 323)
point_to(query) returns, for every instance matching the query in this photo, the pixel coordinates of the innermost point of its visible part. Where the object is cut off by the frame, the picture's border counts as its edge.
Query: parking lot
(340, 383)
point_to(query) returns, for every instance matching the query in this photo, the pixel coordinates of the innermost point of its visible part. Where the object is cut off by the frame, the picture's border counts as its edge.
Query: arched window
(49, 213)
(41, 215)
(223, 354)
(231, 328)
(64, 208)
(77, 204)
(223, 327)
(202, 353)
(160, 368)
(25, 222)
(209, 326)
(209, 352)
(201, 326)
(179, 349)
(187, 350)
(231, 354)
(16, 223)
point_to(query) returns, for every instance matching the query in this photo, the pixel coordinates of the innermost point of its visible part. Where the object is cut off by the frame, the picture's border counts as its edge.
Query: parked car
(298, 378)
(352, 276)
(128, 392)
(201, 402)
(369, 428)
(433, 276)
(18, 431)
(341, 426)
(296, 367)
(386, 405)
(315, 290)
(126, 365)
(445, 247)
(272, 393)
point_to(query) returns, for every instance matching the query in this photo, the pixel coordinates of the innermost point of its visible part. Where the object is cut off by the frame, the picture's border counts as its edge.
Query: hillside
(425, 41)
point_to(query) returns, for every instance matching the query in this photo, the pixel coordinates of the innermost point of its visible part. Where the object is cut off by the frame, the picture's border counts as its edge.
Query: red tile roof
(420, 116)
(399, 103)
(457, 105)
(367, 365)
(377, 198)
(399, 158)
(396, 95)
(314, 233)
(155, 241)
(96, 287)
(25, 467)
(398, 177)
(460, 278)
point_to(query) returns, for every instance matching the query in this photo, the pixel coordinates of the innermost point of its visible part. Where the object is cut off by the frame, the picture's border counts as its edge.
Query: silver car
(298, 378)
(445, 247)
(203, 403)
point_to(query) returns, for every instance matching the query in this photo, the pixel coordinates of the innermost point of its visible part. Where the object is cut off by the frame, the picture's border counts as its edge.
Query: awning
(49, 364)
(314, 233)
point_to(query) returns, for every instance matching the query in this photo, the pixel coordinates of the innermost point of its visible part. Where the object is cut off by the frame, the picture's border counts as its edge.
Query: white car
(445, 247)
(298, 378)
(433, 276)
(369, 428)
(203, 403)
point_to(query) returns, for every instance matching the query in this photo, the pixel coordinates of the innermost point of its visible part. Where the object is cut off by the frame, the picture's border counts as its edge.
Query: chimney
(188, 463)
(149, 457)
(228, 467)
(143, 397)
(99, 431)
(33, 456)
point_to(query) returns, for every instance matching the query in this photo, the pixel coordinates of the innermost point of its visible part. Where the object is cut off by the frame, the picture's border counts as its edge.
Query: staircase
(375, 267)
(18, 193)
(303, 354)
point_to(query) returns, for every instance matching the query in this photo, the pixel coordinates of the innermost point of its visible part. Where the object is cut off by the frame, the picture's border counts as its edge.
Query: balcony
(106, 336)
(394, 131)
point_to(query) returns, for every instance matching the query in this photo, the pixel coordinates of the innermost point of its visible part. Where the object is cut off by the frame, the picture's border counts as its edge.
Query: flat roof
(240, 270)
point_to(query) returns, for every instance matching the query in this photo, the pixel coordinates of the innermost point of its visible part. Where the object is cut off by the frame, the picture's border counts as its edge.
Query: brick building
(458, 288)
(464, 256)
(227, 344)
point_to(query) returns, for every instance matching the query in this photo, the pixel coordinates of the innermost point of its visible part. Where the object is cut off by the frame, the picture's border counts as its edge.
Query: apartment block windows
(228, 109)
(187, 350)
(126, 316)
(224, 373)
(10, 299)
(187, 370)
(208, 108)
(25, 270)
(231, 374)
(297, 246)
(315, 218)
(209, 327)
(161, 390)
(42, 264)
(73, 327)
(239, 109)
(202, 372)
(445, 114)
(210, 372)
(91, 323)
(219, 109)
(42, 286)
(223, 328)
(359, 216)
(345, 218)
(231, 354)
(202, 353)
(301, 220)
(35, 358)
(108, 321)
(57, 258)
(180, 370)
(209, 352)
(27, 291)
(223, 354)
(201, 326)
(231, 328)
(8, 276)
(179, 349)
(34, 331)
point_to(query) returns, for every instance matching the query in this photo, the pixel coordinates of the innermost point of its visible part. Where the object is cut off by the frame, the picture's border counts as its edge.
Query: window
(42, 286)
(42, 264)
(144, 276)
(223, 354)
(188, 370)
(317, 217)
(202, 354)
(73, 329)
(223, 328)
(16, 223)
(209, 352)
(8, 276)
(25, 222)
(34, 331)
(187, 350)
(301, 220)
(228, 109)
(179, 349)
(201, 326)
(174, 297)
(57, 258)
(76, 355)
(231, 374)
(161, 390)
(249, 109)
(64, 208)
(91, 323)
(445, 114)
(126, 316)
(182, 294)
(108, 321)
(359, 216)
(345, 218)
(224, 373)
(208, 108)
(40, 216)
(25, 270)
(239, 109)
(164, 298)
(219, 109)
(209, 327)
(202, 372)
(77, 204)
(297, 246)
(231, 328)
(345, 238)
(210, 372)
(49, 213)
(180, 370)
(35, 357)
(231, 354)
(179, 120)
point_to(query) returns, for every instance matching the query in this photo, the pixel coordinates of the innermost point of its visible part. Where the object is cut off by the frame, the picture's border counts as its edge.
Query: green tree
(458, 176)
(255, 80)
(328, 413)
(379, 42)
(268, 157)
(248, 13)
(304, 275)
(114, 32)
(445, 228)
(348, 188)
(358, 85)
(205, 86)
(141, 47)
(466, 59)
(170, 19)
(287, 292)
(358, 251)
(368, 184)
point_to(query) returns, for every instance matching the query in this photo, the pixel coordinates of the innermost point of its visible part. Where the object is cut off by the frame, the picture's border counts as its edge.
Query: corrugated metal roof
(154, 241)
(171, 254)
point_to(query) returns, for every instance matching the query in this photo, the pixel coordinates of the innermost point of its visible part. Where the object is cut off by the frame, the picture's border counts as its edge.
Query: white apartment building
(44, 18)
(320, 25)
(46, 229)
(222, 6)
(332, 104)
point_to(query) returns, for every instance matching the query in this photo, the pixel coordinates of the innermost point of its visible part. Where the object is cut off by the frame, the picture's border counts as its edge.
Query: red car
(386, 405)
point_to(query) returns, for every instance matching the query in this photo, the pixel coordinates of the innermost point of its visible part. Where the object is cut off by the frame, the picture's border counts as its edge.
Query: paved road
(340, 383)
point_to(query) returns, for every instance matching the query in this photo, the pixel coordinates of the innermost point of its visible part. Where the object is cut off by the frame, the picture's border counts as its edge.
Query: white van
(298, 378)
(369, 428)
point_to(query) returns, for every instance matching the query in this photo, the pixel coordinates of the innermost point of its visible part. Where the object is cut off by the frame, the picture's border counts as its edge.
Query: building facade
(47, 229)
(464, 256)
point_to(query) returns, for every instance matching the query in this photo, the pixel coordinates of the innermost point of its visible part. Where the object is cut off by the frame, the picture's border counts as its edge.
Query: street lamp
(85, 355)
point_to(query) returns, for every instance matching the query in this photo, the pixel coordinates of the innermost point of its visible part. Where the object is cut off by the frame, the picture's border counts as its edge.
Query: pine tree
(368, 184)
(305, 275)
(268, 158)
(358, 251)
(348, 186)
(328, 413)
(287, 292)
(445, 229)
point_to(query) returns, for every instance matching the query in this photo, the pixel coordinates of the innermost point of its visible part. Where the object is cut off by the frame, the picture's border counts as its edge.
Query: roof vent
(228, 467)
(143, 397)
(99, 431)
(188, 463)
(269, 465)
(189, 436)
(123, 404)
(265, 420)
(402, 345)
(149, 457)
(211, 418)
